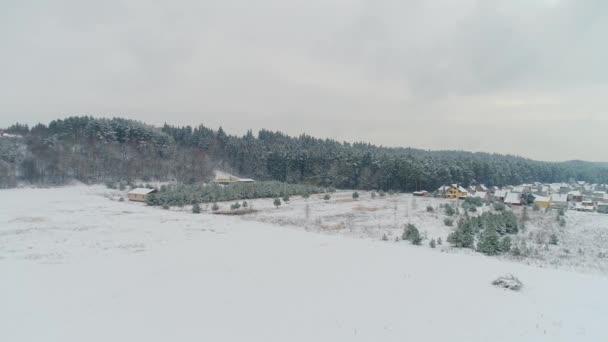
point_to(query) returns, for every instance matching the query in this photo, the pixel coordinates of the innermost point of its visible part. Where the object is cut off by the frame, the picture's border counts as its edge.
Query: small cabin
(139, 194)
(421, 193)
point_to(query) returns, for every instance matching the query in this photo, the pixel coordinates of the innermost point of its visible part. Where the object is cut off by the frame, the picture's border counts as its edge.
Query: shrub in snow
(196, 208)
(122, 186)
(508, 282)
(306, 195)
(561, 222)
(439, 241)
(449, 210)
(285, 198)
(473, 201)
(326, 197)
(166, 207)
(430, 209)
(553, 239)
(516, 251)
(384, 237)
(381, 193)
(499, 206)
(355, 195)
(215, 207)
(535, 207)
(121, 199)
(412, 234)
(277, 202)
(448, 222)
(245, 204)
(373, 194)
(432, 243)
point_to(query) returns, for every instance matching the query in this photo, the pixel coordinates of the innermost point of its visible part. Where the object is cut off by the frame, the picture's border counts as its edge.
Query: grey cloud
(392, 72)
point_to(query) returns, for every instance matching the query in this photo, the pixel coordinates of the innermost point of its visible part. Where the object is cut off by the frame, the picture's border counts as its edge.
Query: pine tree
(326, 197)
(488, 242)
(412, 234)
(215, 207)
(355, 195)
(432, 243)
(196, 208)
(277, 202)
(439, 241)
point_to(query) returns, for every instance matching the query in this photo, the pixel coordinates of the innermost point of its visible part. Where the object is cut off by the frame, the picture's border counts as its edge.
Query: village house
(513, 198)
(559, 200)
(453, 191)
(139, 194)
(542, 201)
(480, 194)
(500, 195)
(575, 196)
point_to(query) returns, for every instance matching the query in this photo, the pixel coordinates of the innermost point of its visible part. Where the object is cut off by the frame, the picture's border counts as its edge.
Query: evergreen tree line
(91, 149)
(182, 194)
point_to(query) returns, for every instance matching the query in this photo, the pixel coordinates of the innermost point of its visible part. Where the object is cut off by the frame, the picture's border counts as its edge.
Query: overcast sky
(525, 77)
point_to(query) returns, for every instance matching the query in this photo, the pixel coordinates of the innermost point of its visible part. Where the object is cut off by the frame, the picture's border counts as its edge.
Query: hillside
(96, 150)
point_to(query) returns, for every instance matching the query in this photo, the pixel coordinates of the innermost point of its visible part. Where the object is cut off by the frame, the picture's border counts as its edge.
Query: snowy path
(75, 266)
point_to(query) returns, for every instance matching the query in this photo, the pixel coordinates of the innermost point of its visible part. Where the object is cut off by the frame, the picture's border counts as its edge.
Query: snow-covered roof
(519, 189)
(480, 194)
(575, 193)
(141, 191)
(461, 189)
(246, 180)
(501, 193)
(541, 199)
(483, 187)
(559, 198)
(513, 198)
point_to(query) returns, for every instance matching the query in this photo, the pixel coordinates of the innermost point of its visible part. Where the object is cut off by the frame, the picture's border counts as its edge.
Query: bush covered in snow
(508, 282)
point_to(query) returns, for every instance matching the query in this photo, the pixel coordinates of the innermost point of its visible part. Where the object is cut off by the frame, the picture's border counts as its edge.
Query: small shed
(139, 194)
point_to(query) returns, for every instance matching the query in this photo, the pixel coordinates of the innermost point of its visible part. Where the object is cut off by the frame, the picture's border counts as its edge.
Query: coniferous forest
(95, 150)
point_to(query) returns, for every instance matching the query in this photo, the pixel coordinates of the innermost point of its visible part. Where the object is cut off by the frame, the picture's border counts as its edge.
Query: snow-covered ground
(77, 265)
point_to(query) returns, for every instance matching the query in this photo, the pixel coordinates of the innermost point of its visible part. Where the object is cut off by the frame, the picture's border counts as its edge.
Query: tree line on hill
(97, 149)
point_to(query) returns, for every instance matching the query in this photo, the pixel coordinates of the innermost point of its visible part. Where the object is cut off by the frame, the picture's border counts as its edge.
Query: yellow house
(542, 202)
(455, 191)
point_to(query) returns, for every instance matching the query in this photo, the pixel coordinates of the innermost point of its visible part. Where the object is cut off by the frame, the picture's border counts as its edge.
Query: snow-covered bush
(509, 282)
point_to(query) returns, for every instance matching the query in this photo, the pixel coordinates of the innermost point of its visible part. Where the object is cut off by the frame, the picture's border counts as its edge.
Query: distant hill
(98, 149)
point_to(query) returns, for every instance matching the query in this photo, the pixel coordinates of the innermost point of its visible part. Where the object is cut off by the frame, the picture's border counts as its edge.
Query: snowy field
(582, 246)
(78, 265)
